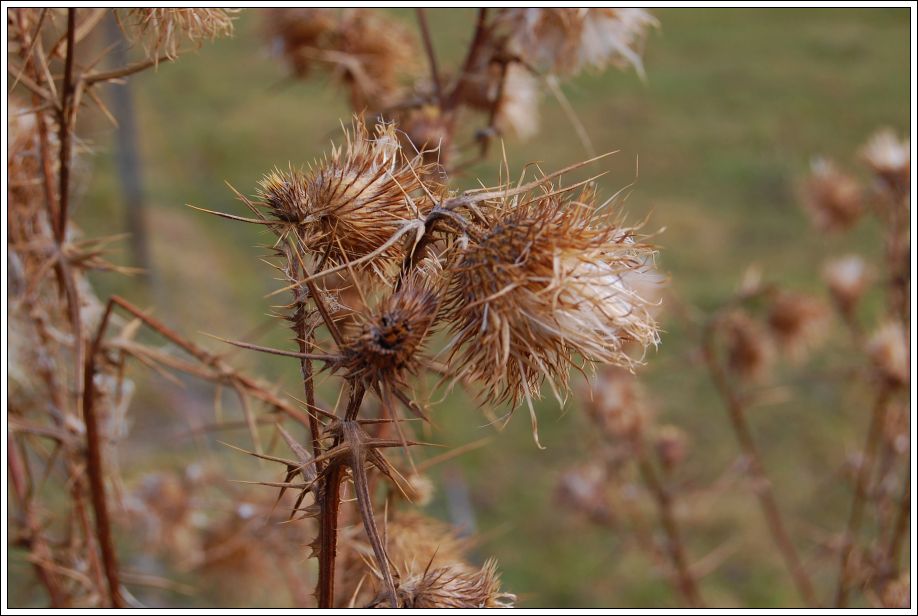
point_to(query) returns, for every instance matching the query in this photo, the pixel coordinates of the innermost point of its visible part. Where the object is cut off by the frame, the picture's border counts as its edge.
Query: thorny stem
(431, 56)
(874, 433)
(675, 546)
(64, 128)
(762, 485)
(328, 515)
(96, 470)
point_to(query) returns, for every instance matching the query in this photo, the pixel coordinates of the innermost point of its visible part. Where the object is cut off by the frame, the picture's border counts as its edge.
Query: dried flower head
(616, 403)
(888, 349)
(890, 159)
(847, 279)
(452, 586)
(584, 489)
(162, 30)
(833, 199)
(797, 322)
(293, 30)
(750, 353)
(431, 570)
(671, 444)
(390, 338)
(518, 107)
(355, 204)
(546, 280)
(566, 41)
(365, 50)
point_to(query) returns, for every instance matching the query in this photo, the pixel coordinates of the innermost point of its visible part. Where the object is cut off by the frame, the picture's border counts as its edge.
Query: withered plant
(381, 258)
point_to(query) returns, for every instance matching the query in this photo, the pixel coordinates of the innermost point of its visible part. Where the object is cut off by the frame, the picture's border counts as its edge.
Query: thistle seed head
(797, 322)
(616, 403)
(364, 50)
(890, 159)
(671, 444)
(832, 199)
(455, 585)
(162, 30)
(391, 337)
(847, 278)
(584, 489)
(750, 353)
(888, 349)
(546, 280)
(353, 202)
(567, 41)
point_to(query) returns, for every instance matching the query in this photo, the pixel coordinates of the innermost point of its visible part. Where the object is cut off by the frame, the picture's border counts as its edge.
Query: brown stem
(874, 434)
(251, 385)
(34, 540)
(96, 470)
(478, 40)
(328, 536)
(686, 583)
(431, 56)
(762, 486)
(897, 538)
(64, 129)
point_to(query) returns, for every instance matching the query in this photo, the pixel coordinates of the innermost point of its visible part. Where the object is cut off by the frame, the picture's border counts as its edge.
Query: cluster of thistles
(393, 275)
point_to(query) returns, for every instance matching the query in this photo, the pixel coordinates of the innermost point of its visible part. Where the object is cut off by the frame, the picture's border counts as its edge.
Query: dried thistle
(616, 404)
(750, 353)
(890, 159)
(888, 349)
(847, 278)
(797, 322)
(546, 280)
(366, 51)
(391, 337)
(833, 199)
(451, 586)
(162, 30)
(567, 41)
(584, 489)
(671, 444)
(355, 204)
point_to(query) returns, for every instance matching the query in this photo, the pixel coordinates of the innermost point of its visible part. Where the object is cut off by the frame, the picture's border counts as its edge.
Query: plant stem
(431, 56)
(96, 470)
(874, 433)
(686, 583)
(762, 485)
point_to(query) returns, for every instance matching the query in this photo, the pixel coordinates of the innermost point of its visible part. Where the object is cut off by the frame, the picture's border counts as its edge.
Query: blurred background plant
(722, 150)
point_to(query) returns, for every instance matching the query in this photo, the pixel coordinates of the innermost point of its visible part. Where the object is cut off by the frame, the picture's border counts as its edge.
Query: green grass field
(735, 104)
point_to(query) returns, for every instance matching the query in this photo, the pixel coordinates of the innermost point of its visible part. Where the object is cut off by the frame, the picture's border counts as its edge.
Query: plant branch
(874, 434)
(762, 485)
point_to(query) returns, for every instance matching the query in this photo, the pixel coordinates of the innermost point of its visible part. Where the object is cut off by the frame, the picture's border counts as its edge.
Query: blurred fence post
(127, 159)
